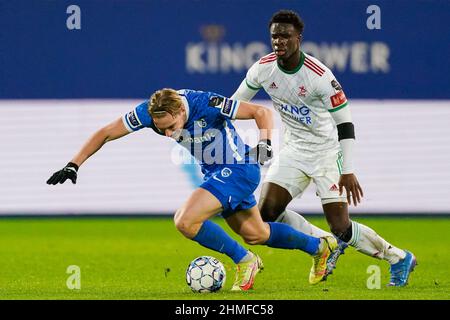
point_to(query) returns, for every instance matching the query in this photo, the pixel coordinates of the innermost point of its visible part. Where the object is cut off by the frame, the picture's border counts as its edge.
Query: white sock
(299, 223)
(370, 243)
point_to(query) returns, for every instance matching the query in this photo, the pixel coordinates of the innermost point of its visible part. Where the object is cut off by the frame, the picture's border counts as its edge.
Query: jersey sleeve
(220, 105)
(331, 92)
(244, 93)
(252, 77)
(138, 118)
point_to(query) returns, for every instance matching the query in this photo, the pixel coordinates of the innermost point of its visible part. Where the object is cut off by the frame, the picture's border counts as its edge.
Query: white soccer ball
(205, 274)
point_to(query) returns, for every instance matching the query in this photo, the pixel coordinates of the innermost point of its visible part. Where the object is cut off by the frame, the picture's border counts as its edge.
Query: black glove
(68, 172)
(262, 152)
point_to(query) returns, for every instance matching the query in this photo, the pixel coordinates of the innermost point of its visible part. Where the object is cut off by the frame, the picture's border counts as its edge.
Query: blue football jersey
(208, 134)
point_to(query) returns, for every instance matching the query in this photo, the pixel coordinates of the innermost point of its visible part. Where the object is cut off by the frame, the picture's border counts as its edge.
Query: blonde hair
(164, 101)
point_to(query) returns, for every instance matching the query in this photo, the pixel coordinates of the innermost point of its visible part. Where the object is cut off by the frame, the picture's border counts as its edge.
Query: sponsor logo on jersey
(334, 188)
(208, 136)
(226, 172)
(201, 123)
(273, 86)
(298, 113)
(185, 137)
(338, 99)
(133, 119)
(302, 91)
(336, 85)
(302, 110)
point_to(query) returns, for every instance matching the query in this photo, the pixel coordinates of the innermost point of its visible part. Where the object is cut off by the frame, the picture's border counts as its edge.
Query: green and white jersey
(305, 98)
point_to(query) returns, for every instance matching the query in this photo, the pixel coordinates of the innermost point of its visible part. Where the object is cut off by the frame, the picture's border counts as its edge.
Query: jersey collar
(302, 59)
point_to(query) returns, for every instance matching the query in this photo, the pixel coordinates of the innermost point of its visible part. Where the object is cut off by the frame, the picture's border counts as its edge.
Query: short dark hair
(288, 16)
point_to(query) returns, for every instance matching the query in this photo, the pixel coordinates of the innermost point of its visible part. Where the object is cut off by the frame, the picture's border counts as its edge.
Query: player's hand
(352, 187)
(262, 152)
(68, 172)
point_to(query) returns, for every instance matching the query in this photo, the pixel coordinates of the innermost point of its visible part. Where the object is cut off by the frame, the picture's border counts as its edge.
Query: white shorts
(294, 174)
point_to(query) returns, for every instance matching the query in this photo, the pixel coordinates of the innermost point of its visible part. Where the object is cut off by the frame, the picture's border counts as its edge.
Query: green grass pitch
(146, 258)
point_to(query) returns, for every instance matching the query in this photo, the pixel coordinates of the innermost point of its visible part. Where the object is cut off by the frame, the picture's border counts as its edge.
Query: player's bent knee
(185, 225)
(182, 226)
(186, 228)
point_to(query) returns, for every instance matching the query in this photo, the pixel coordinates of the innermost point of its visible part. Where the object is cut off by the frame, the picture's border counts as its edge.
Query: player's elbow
(104, 135)
(108, 134)
(113, 131)
(264, 114)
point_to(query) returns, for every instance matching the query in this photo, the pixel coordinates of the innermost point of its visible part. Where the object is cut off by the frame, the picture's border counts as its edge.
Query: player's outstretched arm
(264, 120)
(112, 131)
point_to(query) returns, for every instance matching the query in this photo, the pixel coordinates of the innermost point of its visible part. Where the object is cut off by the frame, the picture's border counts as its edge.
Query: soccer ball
(205, 274)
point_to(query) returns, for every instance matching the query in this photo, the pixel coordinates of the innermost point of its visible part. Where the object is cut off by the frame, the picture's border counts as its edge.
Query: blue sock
(286, 237)
(214, 237)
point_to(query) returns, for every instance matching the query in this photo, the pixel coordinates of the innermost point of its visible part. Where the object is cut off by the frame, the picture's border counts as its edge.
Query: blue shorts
(233, 186)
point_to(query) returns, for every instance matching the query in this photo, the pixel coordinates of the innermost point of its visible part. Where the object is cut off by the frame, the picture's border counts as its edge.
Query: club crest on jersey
(302, 91)
(226, 172)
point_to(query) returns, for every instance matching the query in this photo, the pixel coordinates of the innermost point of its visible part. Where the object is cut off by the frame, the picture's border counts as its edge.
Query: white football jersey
(304, 97)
